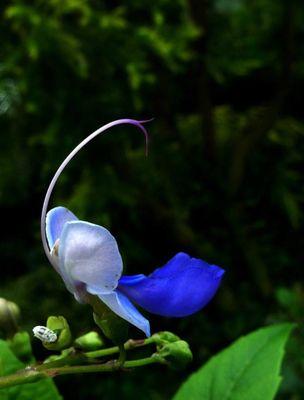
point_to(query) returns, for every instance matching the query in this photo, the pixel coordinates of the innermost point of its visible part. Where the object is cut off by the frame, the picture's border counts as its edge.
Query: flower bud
(20, 344)
(176, 354)
(60, 327)
(165, 337)
(9, 315)
(89, 342)
(66, 353)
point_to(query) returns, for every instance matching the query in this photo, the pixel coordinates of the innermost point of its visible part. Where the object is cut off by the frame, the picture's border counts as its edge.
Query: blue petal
(55, 221)
(89, 254)
(122, 306)
(180, 288)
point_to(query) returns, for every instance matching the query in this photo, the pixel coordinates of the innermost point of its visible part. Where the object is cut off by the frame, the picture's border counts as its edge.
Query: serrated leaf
(42, 390)
(248, 369)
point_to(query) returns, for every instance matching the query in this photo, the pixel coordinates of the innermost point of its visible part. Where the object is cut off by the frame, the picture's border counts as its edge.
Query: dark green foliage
(224, 81)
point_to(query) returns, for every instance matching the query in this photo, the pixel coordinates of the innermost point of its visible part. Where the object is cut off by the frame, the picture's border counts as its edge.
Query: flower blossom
(87, 258)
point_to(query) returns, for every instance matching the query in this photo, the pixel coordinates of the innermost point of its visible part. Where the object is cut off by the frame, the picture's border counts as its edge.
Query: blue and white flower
(87, 258)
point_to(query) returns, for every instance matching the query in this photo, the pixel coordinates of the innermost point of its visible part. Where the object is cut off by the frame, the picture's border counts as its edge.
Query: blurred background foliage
(224, 81)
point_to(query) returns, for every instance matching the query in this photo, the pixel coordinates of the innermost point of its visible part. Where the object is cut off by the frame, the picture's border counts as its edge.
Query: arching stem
(104, 128)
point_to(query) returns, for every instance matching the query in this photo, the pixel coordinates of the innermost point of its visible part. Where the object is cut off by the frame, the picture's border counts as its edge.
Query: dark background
(224, 81)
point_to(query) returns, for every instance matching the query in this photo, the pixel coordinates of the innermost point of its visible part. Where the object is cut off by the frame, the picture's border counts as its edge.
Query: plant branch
(33, 374)
(66, 365)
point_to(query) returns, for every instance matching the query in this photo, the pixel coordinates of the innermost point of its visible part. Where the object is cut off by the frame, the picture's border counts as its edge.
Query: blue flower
(88, 259)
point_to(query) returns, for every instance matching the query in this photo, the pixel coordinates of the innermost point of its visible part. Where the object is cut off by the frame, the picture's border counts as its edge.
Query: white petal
(88, 253)
(56, 218)
(121, 305)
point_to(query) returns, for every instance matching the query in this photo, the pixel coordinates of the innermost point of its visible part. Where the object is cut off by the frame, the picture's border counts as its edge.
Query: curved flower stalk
(88, 259)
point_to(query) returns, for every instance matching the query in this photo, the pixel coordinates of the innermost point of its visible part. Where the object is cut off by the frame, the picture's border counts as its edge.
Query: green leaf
(248, 369)
(42, 390)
